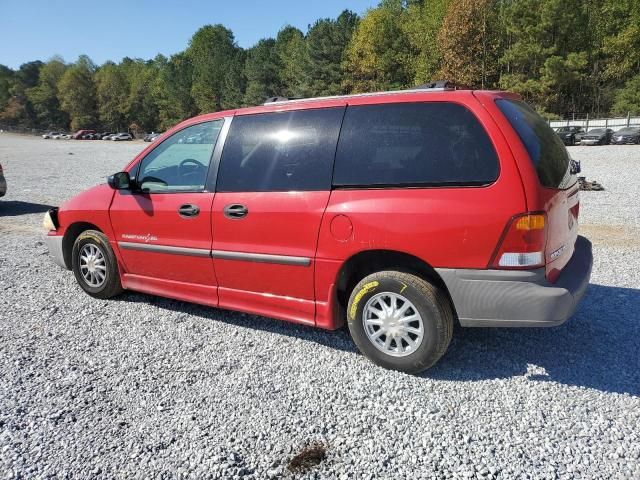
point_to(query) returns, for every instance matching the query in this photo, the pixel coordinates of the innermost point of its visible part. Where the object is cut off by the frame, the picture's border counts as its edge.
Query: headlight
(47, 223)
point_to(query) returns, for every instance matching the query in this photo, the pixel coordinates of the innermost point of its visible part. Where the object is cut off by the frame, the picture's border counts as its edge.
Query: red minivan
(401, 212)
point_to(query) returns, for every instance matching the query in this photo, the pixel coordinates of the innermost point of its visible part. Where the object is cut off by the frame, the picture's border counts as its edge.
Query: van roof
(413, 94)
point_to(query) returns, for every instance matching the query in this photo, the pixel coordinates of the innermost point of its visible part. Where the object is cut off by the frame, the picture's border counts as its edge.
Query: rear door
(163, 227)
(272, 188)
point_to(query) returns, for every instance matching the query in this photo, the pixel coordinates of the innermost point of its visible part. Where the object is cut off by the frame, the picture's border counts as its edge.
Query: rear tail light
(523, 243)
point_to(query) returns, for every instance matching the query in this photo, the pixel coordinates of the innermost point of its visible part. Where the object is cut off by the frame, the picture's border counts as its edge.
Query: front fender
(90, 206)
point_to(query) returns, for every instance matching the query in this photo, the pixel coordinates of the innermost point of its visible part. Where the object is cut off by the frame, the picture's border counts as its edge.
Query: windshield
(597, 131)
(628, 130)
(546, 151)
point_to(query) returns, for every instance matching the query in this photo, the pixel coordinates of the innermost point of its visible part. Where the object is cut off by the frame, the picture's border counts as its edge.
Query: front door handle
(235, 210)
(188, 210)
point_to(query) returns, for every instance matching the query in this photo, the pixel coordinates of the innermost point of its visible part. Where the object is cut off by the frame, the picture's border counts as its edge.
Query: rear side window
(279, 152)
(546, 151)
(413, 144)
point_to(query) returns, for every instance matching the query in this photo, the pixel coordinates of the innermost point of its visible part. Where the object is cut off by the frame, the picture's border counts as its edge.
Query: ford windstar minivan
(398, 212)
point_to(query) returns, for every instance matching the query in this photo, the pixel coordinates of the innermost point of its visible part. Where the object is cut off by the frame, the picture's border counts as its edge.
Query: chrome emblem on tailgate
(557, 253)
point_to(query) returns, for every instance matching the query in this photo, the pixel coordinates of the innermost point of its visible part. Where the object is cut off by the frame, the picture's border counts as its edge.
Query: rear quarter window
(413, 144)
(546, 151)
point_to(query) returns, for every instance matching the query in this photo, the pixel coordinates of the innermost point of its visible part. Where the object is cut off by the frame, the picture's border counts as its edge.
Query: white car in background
(121, 136)
(50, 135)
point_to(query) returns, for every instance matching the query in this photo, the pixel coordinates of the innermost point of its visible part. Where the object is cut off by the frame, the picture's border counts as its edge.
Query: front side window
(413, 144)
(280, 152)
(181, 162)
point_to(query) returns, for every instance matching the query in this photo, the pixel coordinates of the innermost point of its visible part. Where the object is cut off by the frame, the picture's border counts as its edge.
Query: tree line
(565, 57)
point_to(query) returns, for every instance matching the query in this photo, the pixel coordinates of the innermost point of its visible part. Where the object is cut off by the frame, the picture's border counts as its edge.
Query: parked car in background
(107, 136)
(121, 136)
(628, 135)
(150, 137)
(597, 136)
(80, 134)
(61, 136)
(50, 135)
(3, 183)
(400, 213)
(570, 135)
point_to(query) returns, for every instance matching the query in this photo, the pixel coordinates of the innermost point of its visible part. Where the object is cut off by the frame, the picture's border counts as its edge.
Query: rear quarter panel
(561, 206)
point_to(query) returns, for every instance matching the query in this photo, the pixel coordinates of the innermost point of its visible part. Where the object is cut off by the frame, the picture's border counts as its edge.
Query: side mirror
(119, 181)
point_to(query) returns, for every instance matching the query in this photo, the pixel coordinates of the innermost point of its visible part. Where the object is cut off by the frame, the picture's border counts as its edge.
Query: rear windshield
(546, 151)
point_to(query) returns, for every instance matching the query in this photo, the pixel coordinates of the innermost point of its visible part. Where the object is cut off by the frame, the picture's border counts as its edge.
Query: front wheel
(95, 266)
(400, 321)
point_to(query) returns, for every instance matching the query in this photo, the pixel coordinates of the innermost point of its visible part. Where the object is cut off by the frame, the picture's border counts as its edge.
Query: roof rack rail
(281, 99)
(276, 99)
(438, 84)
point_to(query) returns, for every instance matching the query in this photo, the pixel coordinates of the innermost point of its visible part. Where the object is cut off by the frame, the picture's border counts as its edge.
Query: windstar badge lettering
(145, 238)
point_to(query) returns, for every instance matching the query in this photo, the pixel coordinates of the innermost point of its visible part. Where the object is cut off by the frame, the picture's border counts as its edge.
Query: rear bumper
(509, 298)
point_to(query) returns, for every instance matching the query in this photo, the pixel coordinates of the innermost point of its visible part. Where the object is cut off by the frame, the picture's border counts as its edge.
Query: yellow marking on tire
(363, 291)
(403, 287)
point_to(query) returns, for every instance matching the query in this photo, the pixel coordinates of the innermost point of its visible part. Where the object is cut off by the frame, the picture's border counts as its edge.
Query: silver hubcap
(92, 265)
(393, 324)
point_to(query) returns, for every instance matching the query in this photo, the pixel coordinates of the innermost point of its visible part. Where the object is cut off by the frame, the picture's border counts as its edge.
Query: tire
(425, 299)
(105, 275)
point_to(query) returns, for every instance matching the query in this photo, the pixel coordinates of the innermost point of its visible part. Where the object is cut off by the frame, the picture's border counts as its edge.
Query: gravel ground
(141, 386)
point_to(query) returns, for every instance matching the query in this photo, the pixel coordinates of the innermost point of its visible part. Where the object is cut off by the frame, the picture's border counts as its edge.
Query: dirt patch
(612, 235)
(11, 226)
(309, 457)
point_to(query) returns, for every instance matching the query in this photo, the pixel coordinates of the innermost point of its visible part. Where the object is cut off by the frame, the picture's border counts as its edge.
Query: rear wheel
(95, 266)
(400, 321)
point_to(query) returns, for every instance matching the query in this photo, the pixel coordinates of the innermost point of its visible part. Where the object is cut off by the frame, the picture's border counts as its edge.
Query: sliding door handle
(235, 210)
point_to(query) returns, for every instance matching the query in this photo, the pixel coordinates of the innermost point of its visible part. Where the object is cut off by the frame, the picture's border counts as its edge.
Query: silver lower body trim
(220, 254)
(145, 247)
(261, 258)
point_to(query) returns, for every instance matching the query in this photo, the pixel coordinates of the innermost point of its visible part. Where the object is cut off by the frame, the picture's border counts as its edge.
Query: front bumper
(589, 142)
(512, 298)
(54, 244)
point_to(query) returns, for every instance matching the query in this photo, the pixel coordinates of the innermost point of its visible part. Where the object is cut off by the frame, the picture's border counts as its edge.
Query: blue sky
(39, 29)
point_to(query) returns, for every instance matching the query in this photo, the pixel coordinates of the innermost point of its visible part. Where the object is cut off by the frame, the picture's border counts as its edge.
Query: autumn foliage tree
(379, 54)
(470, 43)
